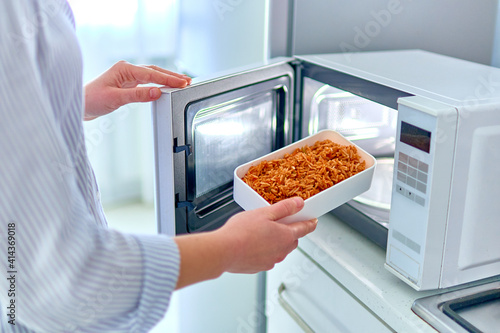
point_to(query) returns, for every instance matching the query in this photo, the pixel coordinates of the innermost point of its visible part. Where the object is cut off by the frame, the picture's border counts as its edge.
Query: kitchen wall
(495, 57)
(463, 29)
(231, 33)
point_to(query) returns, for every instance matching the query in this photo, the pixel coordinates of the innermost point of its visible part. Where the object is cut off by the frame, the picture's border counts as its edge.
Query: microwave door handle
(291, 312)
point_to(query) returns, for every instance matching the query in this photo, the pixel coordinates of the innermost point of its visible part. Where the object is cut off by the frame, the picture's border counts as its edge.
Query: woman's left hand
(119, 86)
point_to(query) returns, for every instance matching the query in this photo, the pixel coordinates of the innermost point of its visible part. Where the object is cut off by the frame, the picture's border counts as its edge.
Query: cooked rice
(305, 172)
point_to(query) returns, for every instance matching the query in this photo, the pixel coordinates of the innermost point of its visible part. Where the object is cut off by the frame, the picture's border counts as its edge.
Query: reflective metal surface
(481, 313)
(371, 125)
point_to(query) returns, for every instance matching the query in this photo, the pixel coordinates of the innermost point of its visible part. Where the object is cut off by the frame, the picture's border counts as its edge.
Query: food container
(321, 202)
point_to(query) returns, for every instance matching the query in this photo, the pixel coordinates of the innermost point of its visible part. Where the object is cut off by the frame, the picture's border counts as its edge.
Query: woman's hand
(259, 240)
(119, 86)
(249, 242)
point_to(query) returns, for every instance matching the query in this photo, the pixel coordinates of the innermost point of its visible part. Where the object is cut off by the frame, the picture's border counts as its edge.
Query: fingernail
(154, 93)
(298, 201)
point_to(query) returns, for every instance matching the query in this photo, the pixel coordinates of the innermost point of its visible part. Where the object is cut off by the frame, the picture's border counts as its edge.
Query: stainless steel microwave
(431, 121)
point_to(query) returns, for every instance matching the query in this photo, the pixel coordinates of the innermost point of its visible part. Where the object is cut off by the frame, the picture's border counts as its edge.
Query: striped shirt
(62, 270)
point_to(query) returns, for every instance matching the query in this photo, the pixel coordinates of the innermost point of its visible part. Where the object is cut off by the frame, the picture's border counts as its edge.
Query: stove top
(470, 309)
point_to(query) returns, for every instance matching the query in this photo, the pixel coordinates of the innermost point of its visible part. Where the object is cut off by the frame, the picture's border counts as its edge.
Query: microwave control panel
(419, 199)
(412, 175)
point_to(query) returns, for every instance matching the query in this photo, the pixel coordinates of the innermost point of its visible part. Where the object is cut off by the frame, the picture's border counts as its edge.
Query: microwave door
(204, 131)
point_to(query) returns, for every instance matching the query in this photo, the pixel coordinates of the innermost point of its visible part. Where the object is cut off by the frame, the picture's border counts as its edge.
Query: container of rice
(325, 169)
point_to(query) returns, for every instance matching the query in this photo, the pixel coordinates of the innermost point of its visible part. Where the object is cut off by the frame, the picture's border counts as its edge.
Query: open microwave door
(204, 131)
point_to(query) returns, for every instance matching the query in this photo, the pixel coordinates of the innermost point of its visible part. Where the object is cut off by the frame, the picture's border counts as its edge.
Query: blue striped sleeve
(72, 274)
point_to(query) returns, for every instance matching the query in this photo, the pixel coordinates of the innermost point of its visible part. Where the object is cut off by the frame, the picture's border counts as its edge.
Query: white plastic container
(320, 203)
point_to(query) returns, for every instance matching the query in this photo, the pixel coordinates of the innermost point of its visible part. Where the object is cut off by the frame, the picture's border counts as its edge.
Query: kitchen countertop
(357, 264)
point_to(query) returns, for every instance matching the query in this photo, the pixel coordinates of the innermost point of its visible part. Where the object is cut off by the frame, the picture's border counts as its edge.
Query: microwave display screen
(415, 137)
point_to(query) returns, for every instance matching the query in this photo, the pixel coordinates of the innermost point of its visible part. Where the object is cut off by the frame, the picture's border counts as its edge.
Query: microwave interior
(372, 126)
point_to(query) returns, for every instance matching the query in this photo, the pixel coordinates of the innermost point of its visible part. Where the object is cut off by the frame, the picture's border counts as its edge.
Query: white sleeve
(71, 275)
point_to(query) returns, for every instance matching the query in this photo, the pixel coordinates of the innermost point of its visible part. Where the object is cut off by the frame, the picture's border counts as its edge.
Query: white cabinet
(298, 290)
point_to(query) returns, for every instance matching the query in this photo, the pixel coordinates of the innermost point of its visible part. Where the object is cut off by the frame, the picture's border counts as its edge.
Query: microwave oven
(432, 122)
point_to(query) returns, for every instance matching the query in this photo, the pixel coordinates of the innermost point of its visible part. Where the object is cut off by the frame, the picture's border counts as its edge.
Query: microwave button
(413, 162)
(400, 189)
(402, 167)
(412, 172)
(422, 177)
(403, 157)
(401, 177)
(421, 187)
(410, 194)
(411, 181)
(424, 167)
(420, 200)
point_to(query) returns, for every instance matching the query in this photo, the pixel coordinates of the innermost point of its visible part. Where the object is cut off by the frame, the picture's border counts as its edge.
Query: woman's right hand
(260, 240)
